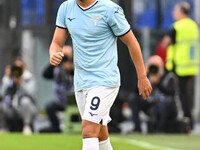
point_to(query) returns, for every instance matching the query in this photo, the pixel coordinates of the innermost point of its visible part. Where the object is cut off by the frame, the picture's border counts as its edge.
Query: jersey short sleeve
(60, 20)
(117, 21)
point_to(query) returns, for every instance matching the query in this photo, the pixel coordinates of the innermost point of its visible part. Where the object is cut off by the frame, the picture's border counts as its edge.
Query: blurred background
(26, 30)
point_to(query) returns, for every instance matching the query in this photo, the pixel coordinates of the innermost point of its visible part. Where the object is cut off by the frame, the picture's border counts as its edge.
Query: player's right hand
(144, 87)
(56, 58)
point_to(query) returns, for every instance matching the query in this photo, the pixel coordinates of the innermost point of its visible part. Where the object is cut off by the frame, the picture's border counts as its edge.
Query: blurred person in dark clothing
(62, 76)
(160, 106)
(19, 108)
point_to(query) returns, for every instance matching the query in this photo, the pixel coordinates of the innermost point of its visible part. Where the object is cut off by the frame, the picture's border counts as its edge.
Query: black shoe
(49, 130)
(137, 130)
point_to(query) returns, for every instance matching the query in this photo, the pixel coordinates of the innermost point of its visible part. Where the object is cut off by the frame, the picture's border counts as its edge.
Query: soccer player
(94, 26)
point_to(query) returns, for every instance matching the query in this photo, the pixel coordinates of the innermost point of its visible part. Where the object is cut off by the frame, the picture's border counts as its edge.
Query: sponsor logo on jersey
(118, 11)
(92, 114)
(70, 19)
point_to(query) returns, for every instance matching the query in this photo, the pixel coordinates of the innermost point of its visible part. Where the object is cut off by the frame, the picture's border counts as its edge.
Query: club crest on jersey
(95, 19)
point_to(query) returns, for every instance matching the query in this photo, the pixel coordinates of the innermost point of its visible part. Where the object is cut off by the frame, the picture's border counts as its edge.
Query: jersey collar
(84, 9)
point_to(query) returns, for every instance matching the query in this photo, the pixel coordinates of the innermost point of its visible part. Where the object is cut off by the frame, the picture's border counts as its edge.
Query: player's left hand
(144, 87)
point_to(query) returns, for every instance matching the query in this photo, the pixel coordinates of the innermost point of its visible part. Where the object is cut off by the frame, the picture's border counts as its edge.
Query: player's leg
(98, 102)
(90, 129)
(90, 141)
(103, 134)
(104, 141)
(90, 133)
(95, 136)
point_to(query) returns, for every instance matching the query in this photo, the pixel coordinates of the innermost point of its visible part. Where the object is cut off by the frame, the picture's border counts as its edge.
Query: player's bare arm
(144, 85)
(58, 41)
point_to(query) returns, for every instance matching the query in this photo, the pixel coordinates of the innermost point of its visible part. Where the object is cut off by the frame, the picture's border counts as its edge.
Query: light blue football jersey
(94, 33)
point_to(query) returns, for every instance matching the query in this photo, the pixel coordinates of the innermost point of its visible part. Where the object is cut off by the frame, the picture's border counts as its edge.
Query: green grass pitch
(18, 141)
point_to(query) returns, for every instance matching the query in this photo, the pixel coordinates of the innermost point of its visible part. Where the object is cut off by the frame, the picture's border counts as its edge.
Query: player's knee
(89, 134)
(90, 130)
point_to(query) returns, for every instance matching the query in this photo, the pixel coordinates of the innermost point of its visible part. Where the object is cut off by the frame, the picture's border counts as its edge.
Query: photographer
(62, 76)
(19, 109)
(165, 88)
(160, 106)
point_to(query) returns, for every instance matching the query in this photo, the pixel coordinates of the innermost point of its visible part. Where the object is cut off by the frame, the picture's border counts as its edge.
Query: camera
(16, 71)
(153, 69)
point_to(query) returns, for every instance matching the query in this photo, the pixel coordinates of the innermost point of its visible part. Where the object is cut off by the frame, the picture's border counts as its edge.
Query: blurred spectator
(18, 92)
(161, 51)
(160, 106)
(63, 85)
(28, 80)
(5, 80)
(183, 53)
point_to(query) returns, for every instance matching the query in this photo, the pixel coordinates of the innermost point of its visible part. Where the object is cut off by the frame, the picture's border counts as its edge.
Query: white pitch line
(143, 144)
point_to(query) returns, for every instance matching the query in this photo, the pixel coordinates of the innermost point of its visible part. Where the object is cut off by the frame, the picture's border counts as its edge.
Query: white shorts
(94, 103)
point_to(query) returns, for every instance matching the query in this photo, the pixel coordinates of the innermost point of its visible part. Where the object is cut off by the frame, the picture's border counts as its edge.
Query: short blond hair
(184, 7)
